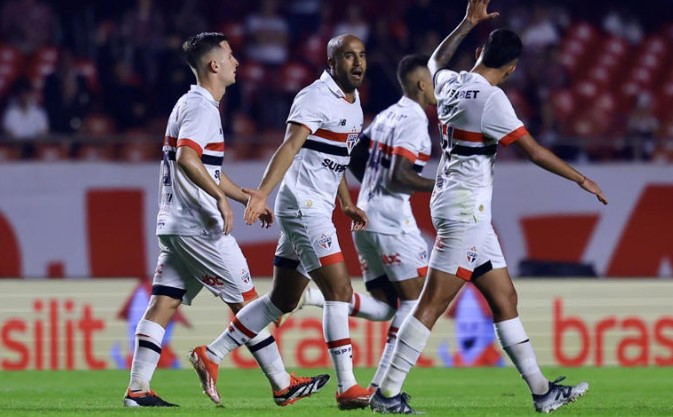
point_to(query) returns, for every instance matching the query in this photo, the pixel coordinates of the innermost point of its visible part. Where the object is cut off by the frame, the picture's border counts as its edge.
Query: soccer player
(392, 252)
(475, 116)
(323, 126)
(194, 225)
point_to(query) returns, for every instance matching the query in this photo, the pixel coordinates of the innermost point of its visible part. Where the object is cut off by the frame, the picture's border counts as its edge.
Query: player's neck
(492, 75)
(217, 91)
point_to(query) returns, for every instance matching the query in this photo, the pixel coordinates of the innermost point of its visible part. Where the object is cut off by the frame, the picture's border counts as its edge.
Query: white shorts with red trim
(309, 240)
(215, 262)
(398, 257)
(465, 249)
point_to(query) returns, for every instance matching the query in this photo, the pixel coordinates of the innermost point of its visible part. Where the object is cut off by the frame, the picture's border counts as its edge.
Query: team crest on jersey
(472, 254)
(245, 275)
(325, 241)
(351, 141)
(439, 243)
(423, 255)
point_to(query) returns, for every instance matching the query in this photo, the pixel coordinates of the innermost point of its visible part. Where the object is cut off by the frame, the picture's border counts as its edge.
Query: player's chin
(356, 80)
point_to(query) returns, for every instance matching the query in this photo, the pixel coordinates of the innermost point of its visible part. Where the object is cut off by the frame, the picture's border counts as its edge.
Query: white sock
(149, 336)
(405, 308)
(265, 351)
(313, 297)
(368, 307)
(411, 340)
(337, 336)
(245, 326)
(515, 342)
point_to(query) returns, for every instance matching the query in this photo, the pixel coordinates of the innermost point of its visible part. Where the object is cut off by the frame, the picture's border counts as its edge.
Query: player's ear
(213, 66)
(477, 52)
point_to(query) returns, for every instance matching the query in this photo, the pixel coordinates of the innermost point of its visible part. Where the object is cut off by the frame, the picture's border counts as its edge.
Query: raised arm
(476, 13)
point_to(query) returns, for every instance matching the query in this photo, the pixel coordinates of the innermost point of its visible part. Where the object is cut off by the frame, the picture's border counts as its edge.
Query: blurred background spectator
(24, 118)
(594, 82)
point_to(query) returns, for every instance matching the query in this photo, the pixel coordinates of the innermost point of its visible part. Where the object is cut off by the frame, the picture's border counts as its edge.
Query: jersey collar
(405, 101)
(205, 93)
(326, 78)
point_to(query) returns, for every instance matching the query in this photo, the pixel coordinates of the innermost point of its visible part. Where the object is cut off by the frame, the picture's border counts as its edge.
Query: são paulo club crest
(351, 140)
(472, 254)
(325, 241)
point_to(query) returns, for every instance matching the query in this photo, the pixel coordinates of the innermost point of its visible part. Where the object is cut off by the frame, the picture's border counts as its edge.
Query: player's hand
(359, 217)
(257, 208)
(593, 188)
(476, 11)
(267, 218)
(227, 214)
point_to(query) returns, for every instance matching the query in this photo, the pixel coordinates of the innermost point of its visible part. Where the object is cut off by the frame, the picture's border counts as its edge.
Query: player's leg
(495, 283)
(405, 271)
(228, 277)
(167, 292)
(334, 283)
(315, 240)
(375, 306)
(441, 286)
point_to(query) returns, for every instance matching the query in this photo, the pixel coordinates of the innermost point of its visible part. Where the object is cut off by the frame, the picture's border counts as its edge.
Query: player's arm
(359, 157)
(235, 192)
(295, 136)
(476, 13)
(189, 161)
(402, 177)
(359, 217)
(232, 190)
(546, 159)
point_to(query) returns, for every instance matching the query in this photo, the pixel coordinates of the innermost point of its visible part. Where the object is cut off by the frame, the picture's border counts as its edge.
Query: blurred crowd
(96, 80)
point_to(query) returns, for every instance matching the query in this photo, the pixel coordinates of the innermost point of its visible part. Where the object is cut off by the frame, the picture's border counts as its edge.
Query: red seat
(88, 70)
(294, 77)
(97, 126)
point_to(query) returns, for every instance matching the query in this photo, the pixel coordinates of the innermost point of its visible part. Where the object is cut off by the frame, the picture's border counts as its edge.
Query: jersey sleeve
(309, 109)
(410, 137)
(194, 127)
(499, 121)
(441, 77)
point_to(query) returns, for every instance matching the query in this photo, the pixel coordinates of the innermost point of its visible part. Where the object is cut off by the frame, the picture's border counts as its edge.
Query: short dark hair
(200, 44)
(503, 46)
(407, 65)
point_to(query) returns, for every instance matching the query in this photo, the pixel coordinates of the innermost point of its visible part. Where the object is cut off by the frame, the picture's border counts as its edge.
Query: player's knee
(504, 304)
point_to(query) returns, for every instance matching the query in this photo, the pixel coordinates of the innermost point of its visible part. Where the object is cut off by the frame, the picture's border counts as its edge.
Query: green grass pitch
(488, 392)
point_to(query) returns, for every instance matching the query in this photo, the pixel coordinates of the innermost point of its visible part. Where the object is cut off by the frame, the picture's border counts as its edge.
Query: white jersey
(474, 117)
(312, 180)
(402, 130)
(184, 208)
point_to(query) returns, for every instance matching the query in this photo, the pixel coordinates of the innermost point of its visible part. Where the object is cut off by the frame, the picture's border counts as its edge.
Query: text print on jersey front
(333, 165)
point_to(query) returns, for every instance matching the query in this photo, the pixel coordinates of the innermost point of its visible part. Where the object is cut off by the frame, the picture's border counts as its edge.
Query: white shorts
(398, 257)
(188, 263)
(464, 249)
(307, 243)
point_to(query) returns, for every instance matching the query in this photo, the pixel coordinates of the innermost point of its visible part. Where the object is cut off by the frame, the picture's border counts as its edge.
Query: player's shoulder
(317, 90)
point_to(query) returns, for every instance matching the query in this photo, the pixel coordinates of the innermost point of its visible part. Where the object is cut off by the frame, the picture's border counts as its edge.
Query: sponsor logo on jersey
(212, 281)
(334, 166)
(423, 255)
(472, 254)
(393, 259)
(325, 241)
